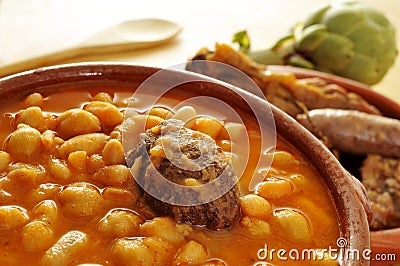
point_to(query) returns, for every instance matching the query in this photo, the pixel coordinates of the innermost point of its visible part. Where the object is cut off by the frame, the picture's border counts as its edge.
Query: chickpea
(114, 175)
(293, 225)
(255, 206)
(90, 143)
(113, 152)
(108, 114)
(65, 249)
(23, 177)
(255, 228)
(119, 194)
(208, 126)
(44, 191)
(186, 114)
(36, 236)
(34, 99)
(81, 200)
(49, 123)
(77, 160)
(103, 97)
(4, 160)
(76, 122)
(46, 211)
(232, 131)
(165, 228)
(60, 170)
(161, 112)
(146, 251)
(120, 223)
(95, 163)
(226, 145)
(24, 142)
(126, 252)
(48, 139)
(117, 133)
(191, 253)
(283, 159)
(32, 116)
(58, 141)
(12, 217)
(152, 121)
(275, 188)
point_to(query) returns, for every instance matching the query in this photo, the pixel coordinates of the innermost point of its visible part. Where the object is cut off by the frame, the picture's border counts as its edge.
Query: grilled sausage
(355, 132)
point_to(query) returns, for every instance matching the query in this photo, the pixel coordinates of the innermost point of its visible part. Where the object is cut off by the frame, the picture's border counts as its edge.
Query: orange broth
(233, 247)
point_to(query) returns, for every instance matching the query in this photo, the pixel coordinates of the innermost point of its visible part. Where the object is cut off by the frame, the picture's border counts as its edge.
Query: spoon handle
(83, 50)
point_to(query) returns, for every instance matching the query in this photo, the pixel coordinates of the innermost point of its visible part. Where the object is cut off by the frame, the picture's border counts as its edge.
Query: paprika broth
(67, 196)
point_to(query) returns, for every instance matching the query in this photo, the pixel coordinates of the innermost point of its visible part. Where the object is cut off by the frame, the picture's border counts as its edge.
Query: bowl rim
(350, 200)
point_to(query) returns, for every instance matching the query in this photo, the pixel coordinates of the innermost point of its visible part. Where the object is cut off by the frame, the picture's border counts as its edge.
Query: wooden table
(32, 27)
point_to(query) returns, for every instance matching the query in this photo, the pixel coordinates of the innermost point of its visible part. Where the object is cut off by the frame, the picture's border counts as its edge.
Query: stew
(67, 196)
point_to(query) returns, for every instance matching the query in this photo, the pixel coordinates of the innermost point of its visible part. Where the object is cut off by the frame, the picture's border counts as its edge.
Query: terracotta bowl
(383, 241)
(348, 195)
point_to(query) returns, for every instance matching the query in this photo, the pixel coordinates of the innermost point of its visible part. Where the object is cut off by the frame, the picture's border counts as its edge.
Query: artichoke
(346, 38)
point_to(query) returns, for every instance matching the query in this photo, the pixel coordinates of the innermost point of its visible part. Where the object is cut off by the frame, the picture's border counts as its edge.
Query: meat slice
(191, 160)
(381, 178)
(285, 91)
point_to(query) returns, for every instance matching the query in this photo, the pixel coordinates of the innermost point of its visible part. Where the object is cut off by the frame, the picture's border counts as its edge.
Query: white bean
(81, 200)
(120, 223)
(24, 142)
(46, 211)
(165, 228)
(293, 225)
(113, 175)
(4, 160)
(108, 114)
(255, 228)
(113, 152)
(146, 251)
(36, 236)
(185, 113)
(191, 253)
(255, 206)
(65, 249)
(90, 143)
(12, 217)
(76, 122)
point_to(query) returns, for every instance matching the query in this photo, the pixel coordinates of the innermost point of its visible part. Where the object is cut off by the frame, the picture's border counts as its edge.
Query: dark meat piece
(381, 177)
(190, 159)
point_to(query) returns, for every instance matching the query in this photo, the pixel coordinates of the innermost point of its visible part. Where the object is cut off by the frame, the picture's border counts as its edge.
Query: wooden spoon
(126, 36)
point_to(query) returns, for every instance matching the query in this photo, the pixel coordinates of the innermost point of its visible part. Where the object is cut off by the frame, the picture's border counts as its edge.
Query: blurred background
(31, 28)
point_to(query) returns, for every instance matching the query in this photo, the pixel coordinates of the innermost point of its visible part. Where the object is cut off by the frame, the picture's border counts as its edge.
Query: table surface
(33, 27)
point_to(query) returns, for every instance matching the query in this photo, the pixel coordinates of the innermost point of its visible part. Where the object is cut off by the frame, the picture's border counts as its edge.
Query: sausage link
(354, 131)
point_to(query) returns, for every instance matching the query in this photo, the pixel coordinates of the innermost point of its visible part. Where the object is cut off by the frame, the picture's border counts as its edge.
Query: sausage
(355, 132)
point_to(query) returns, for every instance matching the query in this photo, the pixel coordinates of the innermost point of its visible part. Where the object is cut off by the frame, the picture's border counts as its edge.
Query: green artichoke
(346, 38)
